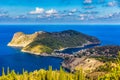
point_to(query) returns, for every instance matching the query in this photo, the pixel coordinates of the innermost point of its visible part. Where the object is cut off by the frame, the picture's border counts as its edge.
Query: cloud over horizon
(37, 11)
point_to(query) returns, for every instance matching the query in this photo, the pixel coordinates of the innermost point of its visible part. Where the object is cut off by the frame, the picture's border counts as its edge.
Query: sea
(16, 60)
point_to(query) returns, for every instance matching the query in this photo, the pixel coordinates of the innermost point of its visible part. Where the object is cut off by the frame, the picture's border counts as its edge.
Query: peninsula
(48, 42)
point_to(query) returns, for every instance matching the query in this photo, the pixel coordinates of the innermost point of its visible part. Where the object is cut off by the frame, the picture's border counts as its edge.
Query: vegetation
(58, 40)
(42, 75)
(105, 59)
(111, 73)
(102, 53)
(38, 49)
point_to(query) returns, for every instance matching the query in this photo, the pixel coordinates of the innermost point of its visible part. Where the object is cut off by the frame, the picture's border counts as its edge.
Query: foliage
(43, 75)
(38, 49)
(114, 73)
(107, 67)
(58, 40)
(105, 59)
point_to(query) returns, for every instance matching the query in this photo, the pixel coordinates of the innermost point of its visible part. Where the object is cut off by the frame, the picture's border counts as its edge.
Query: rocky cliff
(21, 40)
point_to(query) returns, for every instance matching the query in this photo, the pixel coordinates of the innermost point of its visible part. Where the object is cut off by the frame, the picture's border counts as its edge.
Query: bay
(14, 59)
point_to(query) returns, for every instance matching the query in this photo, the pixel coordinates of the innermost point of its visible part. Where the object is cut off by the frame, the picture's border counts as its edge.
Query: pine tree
(61, 74)
(49, 73)
(8, 71)
(3, 72)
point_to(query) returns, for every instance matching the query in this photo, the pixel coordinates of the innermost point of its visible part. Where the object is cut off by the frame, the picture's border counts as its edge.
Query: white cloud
(37, 11)
(3, 15)
(74, 10)
(70, 14)
(113, 3)
(51, 11)
(57, 16)
(87, 1)
(48, 15)
(41, 12)
(39, 16)
(20, 16)
(82, 15)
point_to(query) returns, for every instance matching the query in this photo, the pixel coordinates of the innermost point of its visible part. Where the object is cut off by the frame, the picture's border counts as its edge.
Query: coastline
(16, 45)
(81, 40)
(60, 55)
(97, 43)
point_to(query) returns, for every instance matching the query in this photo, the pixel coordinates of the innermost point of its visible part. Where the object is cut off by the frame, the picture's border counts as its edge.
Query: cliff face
(46, 42)
(21, 40)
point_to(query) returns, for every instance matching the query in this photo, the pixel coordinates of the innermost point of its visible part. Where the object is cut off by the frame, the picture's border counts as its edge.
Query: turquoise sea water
(13, 58)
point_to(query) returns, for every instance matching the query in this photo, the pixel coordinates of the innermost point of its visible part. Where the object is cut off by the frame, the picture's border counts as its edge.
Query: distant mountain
(47, 42)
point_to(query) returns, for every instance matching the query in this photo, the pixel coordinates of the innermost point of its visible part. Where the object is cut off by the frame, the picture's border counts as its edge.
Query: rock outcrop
(21, 40)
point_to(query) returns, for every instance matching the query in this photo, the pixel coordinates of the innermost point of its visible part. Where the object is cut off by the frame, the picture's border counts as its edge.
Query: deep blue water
(13, 58)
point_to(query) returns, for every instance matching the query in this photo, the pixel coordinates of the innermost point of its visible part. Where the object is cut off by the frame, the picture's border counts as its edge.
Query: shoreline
(46, 54)
(59, 55)
(84, 45)
(81, 41)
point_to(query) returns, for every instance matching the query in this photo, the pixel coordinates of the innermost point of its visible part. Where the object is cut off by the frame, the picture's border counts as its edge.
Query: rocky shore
(21, 40)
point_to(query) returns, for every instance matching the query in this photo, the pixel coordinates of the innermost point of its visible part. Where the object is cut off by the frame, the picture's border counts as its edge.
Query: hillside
(87, 64)
(102, 53)
(88, 58)
(47, 42)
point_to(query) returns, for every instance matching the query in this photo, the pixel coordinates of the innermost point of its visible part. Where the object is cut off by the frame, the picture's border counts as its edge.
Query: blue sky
(60, 11)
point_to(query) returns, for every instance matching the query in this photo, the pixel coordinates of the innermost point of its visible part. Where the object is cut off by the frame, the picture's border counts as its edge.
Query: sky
(60, 11)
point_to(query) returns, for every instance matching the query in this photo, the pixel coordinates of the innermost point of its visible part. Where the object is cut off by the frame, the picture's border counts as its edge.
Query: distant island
(48, 42)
